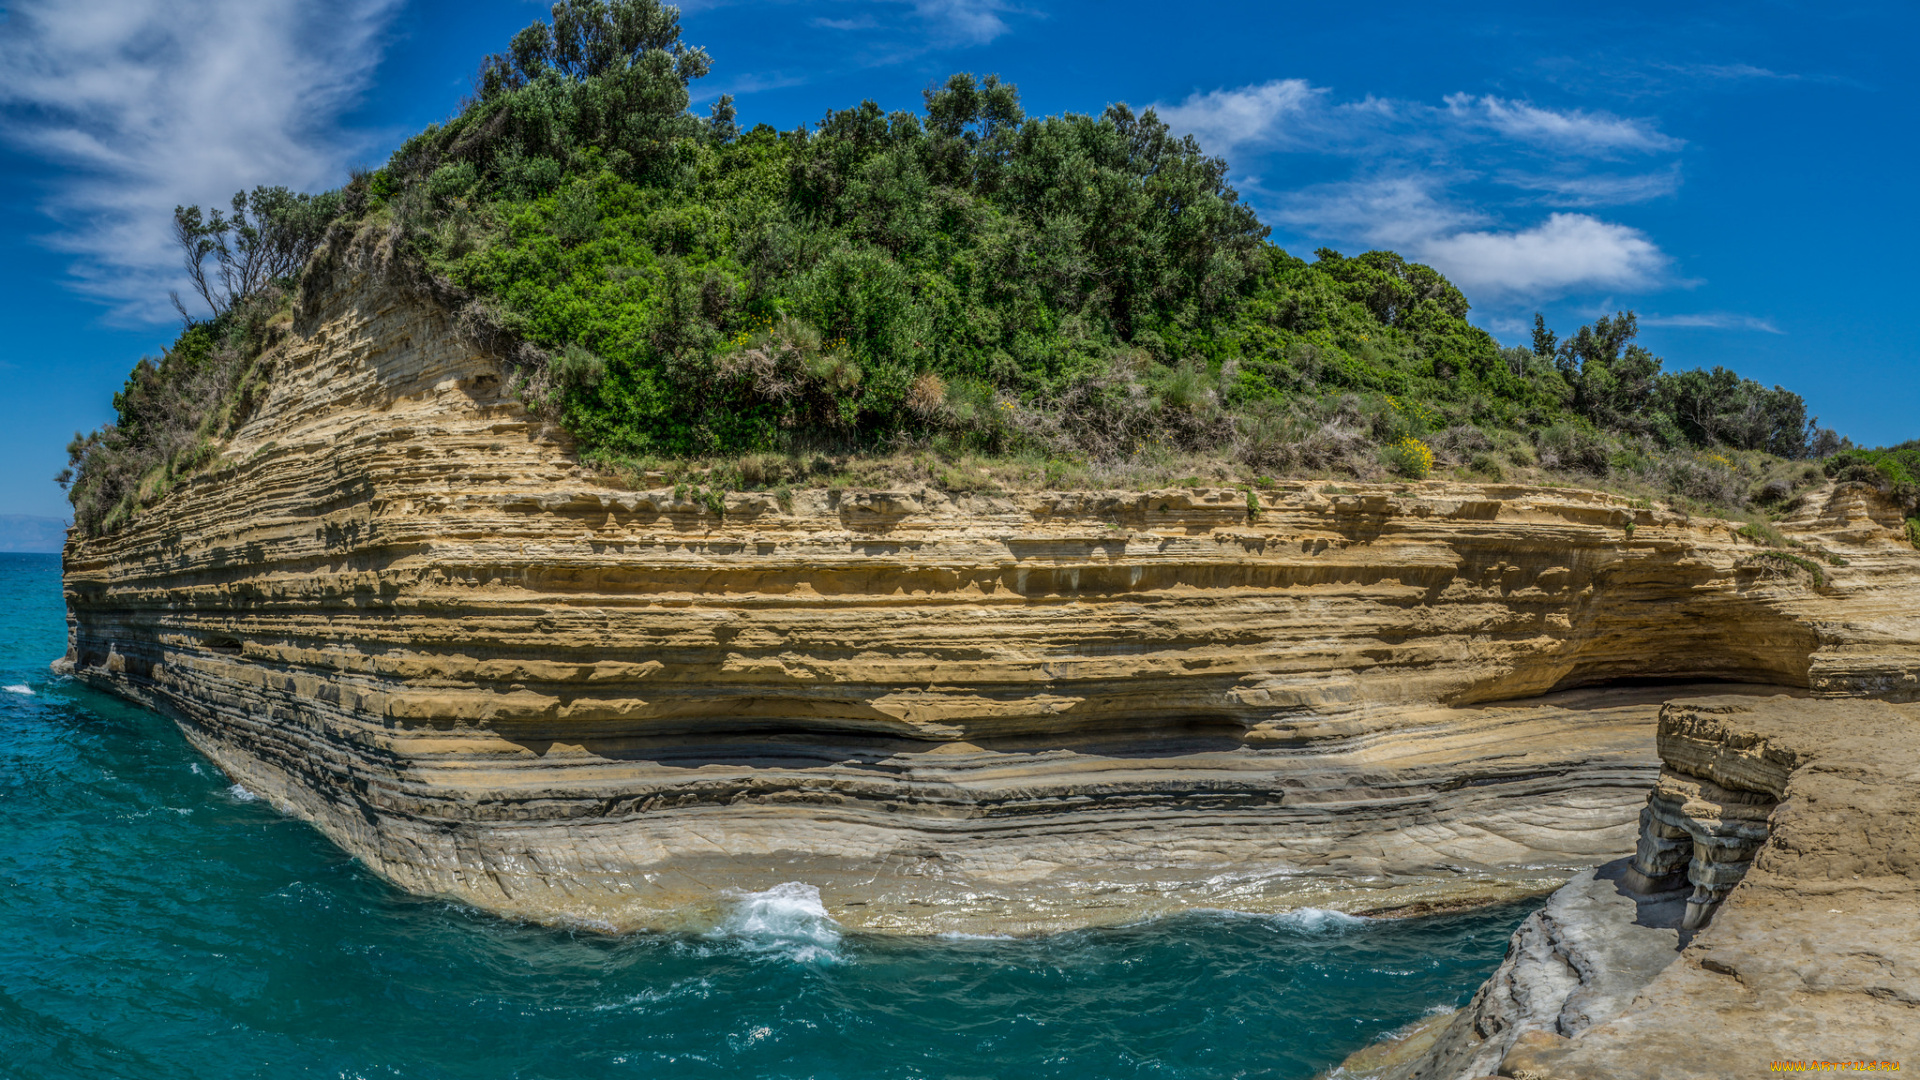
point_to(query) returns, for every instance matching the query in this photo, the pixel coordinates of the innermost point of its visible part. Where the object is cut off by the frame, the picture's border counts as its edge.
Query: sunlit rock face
(1796, 947)
(401, 608)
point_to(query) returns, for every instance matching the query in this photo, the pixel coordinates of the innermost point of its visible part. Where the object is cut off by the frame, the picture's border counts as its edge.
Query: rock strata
(401, 608)
(1810, 957)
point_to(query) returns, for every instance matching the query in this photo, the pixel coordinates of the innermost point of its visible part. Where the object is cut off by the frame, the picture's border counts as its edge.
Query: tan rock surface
(401, 609)
(1812, 957)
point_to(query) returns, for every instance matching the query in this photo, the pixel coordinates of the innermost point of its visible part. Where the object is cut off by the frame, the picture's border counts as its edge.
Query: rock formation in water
(1808, 951)
(399, 607)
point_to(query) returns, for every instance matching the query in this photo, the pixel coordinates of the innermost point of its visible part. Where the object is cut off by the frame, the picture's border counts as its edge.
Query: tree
(1613, 379)
(610, 75)
(1544, 340)
(1391, 287)
(268, 237)
(1719, 407)
(592, 38)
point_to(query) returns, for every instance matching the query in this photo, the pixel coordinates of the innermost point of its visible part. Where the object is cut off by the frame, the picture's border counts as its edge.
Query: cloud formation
(1714, 320)
(1394, 211)
(1607, 189)
(1443, 183)
(1224, 120)
(974, 22)
(140, 105)
(1564, 252)
(1576, 130)
(935, 23)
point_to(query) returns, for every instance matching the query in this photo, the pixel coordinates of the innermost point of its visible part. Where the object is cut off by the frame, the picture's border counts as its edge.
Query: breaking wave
(787, 920)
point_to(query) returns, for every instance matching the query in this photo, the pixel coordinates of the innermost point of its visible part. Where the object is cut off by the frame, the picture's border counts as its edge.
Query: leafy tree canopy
(967, 274)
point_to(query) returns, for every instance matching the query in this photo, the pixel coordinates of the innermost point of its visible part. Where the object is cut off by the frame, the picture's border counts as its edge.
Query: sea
(158, 921)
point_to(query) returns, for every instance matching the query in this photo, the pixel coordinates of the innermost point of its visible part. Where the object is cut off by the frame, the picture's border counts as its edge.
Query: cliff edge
(400, 608)
(1780, 930)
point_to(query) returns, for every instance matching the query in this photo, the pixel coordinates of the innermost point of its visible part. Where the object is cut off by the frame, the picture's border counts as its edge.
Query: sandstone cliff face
(401, 609)
(1810, 953)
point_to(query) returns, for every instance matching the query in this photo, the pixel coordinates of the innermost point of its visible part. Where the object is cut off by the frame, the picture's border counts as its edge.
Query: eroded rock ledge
(1808, 951)
(401, 609)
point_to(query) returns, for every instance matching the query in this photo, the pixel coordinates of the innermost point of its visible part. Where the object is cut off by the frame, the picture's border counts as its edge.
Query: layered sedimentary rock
(1697, 833)
(401, 608)
(1810, 957)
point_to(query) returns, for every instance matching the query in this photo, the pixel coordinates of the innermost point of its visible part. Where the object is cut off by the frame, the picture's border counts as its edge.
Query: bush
(169, 415)
(1573, 447)
(962, 278)
(1488, 465)
(1317, 437)
(1704, 479)
(1410, 458)
(1892, 470)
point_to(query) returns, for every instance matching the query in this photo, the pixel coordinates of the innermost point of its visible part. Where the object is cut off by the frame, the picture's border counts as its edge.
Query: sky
(1740, 175)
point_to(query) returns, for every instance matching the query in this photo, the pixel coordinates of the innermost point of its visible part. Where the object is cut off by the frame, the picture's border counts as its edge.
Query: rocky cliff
(1784, 932)
(400, 608)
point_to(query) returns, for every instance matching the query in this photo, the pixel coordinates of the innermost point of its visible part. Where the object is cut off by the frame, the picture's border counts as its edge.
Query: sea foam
(18, 688)
(1313, 920)
(787, 920)
(1306, 920)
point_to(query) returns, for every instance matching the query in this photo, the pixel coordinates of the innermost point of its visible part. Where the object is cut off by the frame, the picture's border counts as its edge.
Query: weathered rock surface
(1812, 956)
(401, 609)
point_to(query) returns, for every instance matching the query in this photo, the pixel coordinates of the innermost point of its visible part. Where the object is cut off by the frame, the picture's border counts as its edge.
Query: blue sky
(1740, 174)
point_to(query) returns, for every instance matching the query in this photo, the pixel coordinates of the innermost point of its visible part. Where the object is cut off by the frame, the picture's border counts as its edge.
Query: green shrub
(1706, 478)
(1812, 568)
(1574, 447)
(1893, 469)
(1410, 458)
(964, 278)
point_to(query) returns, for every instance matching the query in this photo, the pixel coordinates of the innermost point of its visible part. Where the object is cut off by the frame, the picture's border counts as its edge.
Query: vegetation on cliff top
(1082, 293)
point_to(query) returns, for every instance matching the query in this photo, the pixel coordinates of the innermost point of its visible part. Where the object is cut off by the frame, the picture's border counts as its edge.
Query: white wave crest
(1306, 920)
(786, 920)
(18, 688)
(240, 794)
(1313, 920)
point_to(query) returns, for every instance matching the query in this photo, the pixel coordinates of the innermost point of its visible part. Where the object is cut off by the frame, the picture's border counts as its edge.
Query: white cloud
(1714, 320)
(1577, 130)
(1565, 252)
(1300, 115)
(1396, 211)
(1725, 71)
(1443, 183)
(1223, 120)
(858, 22)
(1411, 214)
(974, 22)
(1606, 189)
(140, 105)
(753, 83)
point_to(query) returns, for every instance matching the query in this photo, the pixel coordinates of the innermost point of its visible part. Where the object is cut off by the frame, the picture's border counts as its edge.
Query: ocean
(158, 921)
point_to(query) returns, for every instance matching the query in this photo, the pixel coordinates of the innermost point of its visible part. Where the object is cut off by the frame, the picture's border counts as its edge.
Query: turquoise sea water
(157, 922)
